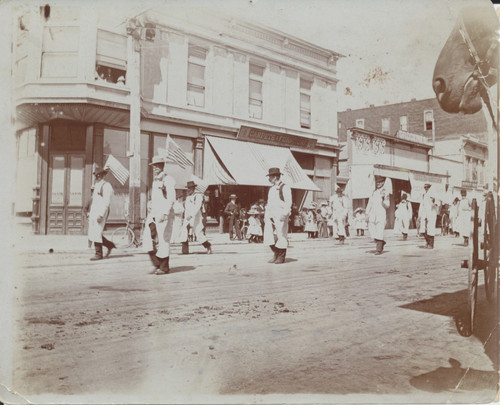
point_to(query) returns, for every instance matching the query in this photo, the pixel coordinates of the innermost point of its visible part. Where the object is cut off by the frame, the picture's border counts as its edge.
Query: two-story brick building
(235, 96)
(459, 143)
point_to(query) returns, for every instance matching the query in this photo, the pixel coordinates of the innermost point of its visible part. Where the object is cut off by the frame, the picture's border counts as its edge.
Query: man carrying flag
(98, 214)
(162, 201)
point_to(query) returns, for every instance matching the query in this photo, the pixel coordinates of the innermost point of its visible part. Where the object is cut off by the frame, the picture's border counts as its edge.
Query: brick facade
(446, 124)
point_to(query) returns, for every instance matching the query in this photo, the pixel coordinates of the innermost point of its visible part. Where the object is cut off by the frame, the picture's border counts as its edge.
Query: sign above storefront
(274, 138)
(412, 137)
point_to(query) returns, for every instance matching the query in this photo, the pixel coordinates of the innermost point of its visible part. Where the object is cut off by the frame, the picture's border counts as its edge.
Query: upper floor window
(403, 123)
(428, 120)
(386, 125)
(255, 100)
(360, 123)
(305, 103)
(196, 76)
(111, 57)
(60, 51)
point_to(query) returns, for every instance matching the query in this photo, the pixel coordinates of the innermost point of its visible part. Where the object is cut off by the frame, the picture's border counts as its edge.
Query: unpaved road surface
(333, 324)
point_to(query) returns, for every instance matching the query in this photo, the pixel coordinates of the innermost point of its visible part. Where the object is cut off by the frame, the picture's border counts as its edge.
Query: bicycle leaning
(124, 236)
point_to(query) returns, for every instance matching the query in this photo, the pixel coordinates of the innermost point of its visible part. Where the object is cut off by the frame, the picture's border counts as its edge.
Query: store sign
(408, 136)
(274, 138)
(367, 144)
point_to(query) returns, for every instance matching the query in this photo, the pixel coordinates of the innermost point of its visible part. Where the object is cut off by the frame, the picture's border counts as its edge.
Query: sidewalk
(25, 240)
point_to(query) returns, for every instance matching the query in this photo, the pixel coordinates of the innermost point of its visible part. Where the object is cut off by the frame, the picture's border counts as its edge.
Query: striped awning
(228, 161)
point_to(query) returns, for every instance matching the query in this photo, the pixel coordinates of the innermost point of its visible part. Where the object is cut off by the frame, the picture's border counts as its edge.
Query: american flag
(201, 185)
(117, 169)
(175, 154)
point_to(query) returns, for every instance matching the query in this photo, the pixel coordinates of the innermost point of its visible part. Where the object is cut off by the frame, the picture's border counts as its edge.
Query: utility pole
(133, 81)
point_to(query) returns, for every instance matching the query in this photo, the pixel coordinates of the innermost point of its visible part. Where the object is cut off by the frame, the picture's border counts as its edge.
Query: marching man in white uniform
(279, 203)
(464, 218)
(428, 216)
(162, 201)
(403, 215)
(99, 211)
(193, 215)
(376, 213)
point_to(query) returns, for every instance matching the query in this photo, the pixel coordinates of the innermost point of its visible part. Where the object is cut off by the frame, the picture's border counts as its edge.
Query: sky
(390, 46)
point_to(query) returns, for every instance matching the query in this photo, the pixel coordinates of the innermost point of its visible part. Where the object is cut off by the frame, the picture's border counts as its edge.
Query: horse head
(468, 62)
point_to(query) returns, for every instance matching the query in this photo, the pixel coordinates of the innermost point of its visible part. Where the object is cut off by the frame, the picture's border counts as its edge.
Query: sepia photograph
(249, 202)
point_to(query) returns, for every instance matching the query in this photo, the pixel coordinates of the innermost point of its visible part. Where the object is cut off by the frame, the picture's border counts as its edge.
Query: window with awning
(228, 161)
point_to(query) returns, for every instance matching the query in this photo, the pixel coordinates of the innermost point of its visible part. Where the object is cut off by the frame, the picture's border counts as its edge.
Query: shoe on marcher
(109, 250)
(96, 257)
(378, 253)
(209, 250)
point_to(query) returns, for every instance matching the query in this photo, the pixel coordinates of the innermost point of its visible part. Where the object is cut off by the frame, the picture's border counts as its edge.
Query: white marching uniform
(376, 212)
(276, 215)
(99, 210)
(403, 215)
(179, 232)
(339, 215)
(464, 218)
(453, 217)
(162, 200)
(428, 212)
(194, 217)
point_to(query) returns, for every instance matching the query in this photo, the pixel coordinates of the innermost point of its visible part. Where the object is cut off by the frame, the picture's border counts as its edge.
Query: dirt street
(333, 324)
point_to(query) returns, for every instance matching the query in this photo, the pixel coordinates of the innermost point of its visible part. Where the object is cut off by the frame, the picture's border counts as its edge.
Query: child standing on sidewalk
(254, 227)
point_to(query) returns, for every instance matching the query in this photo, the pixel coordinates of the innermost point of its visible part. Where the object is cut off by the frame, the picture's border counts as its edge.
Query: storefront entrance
(65, 193)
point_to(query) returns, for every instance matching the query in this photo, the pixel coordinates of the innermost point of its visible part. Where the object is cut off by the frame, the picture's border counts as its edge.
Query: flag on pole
(175, 154)
(201, 185)
(117, 169)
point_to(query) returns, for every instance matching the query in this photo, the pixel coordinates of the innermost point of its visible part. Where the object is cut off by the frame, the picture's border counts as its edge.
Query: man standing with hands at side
(99, 211)
(279, 203)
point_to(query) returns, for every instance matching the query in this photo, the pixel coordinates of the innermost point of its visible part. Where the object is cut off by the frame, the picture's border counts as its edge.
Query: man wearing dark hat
(162, 201)
(99, 211)
(232, 212)
(376, 212)
(279, 203)
(428, 212)
(193, 214)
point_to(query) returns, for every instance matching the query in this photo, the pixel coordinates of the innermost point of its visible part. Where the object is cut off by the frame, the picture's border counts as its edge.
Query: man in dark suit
(232, 211)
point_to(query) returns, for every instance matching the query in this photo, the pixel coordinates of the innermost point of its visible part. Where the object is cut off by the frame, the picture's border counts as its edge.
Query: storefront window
(60, 52)
(116, 144)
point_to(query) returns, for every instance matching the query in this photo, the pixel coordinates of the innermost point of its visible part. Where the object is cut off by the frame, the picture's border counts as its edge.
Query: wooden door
(65, 199)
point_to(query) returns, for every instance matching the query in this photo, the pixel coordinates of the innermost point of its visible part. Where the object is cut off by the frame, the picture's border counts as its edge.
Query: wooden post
(198, 156)
(134, 152)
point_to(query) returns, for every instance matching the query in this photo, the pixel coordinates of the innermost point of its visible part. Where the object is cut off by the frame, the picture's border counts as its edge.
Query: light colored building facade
(402, 159)
(87, 88)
